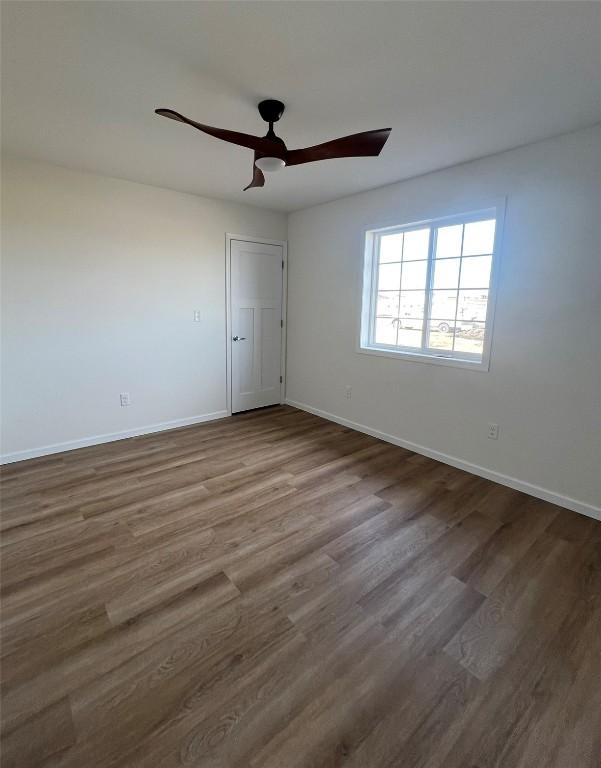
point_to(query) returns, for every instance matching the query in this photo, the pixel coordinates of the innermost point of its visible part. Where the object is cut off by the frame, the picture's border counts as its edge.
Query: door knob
(238, 338)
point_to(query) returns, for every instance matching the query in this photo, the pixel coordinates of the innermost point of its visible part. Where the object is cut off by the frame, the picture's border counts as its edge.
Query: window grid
(426, 322)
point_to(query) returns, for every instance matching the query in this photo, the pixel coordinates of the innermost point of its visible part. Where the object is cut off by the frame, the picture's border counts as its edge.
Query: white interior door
(256, 278)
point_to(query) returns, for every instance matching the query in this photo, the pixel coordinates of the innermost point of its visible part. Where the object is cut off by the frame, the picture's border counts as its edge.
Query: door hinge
(282, 263)
(280, 379)
(281, 323)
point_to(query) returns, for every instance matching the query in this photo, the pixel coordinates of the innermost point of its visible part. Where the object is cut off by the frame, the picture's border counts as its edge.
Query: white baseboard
(512, 482)
(85, 442)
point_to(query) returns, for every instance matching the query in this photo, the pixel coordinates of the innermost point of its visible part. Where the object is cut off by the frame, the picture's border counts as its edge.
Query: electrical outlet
(493, 431)
(124, 399)
(348, 391)
(197, 315)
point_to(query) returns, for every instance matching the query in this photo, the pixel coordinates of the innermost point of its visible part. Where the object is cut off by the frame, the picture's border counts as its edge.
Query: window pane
(412, 304)
(385, 332)
(470, 340)
(414, 275)
(472, 306)
(410, 336)
(388, 304)
(443, 326)
(479, 237)
(416, 244)
(443, 304)
(448, 241)
(410, 323)
(389, 277)
(475, 272)
(446, 273)
(391, 247)
(441, 339)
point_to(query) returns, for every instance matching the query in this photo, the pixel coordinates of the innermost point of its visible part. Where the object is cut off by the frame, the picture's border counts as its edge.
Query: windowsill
(416, 357)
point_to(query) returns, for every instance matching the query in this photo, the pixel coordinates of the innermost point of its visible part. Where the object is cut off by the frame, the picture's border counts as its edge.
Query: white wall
(543, 388)
(100, 281)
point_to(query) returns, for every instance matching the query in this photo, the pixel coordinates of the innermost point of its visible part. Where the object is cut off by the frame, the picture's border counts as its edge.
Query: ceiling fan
(271, 153)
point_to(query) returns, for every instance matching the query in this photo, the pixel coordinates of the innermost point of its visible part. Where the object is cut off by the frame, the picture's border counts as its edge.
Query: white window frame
(369, 291)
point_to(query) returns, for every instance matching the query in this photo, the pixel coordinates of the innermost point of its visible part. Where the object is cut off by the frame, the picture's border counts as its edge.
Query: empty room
(301, 384)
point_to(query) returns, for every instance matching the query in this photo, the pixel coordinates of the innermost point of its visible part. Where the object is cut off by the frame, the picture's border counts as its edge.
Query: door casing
(228, 310)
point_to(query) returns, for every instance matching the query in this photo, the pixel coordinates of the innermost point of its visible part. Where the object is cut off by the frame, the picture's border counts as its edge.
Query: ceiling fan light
(269, 164)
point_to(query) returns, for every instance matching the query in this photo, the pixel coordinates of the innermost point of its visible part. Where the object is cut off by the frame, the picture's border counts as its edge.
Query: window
(427, 290)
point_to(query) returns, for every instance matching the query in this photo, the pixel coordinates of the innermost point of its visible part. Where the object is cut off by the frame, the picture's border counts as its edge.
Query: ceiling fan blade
(366, 144)
(258, 179)
(258, 143)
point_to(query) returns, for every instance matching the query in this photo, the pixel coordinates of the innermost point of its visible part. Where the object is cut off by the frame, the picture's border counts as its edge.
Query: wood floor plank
(502, 725)
(490, 636)
(488, 564)
(277, 591)
(45, 736)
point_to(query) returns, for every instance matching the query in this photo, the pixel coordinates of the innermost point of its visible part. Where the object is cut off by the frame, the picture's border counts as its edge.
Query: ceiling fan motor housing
(271, 110)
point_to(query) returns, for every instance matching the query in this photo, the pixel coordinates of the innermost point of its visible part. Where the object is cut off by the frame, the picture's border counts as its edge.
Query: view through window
(430, 287)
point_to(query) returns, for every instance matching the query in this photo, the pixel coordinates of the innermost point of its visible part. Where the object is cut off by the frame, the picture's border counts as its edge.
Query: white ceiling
(454, 80)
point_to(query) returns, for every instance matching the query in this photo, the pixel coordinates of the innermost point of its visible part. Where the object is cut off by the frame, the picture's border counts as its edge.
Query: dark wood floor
(276, 591)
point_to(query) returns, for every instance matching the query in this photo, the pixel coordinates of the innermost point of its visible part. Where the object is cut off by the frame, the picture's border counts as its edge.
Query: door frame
(228, 310)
